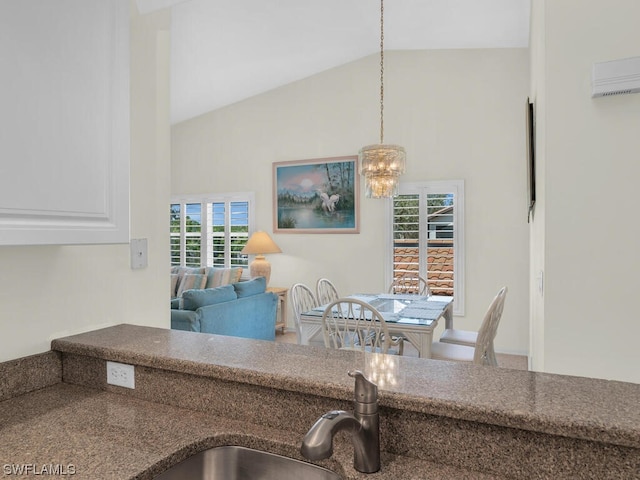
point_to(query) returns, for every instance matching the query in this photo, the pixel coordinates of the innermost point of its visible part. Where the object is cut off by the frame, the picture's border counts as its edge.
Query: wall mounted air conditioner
(616, 77)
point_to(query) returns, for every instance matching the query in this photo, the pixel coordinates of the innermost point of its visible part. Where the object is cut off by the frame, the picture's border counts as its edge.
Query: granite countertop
(109, 435)
(590, 409)
(95, 434)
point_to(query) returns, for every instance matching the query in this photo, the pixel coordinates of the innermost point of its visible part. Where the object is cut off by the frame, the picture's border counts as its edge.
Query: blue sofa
(242, 309)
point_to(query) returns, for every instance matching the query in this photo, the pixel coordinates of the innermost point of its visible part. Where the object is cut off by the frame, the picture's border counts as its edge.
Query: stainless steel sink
(240, 463)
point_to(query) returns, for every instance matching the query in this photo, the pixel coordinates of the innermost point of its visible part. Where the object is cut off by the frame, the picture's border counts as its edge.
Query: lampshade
(260, 243)
(381, 164)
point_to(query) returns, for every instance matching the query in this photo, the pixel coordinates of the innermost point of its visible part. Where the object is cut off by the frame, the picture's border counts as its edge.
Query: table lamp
(260, 243)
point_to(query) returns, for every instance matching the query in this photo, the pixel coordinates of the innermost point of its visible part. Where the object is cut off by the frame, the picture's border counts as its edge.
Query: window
(427, 236)
(210, 230)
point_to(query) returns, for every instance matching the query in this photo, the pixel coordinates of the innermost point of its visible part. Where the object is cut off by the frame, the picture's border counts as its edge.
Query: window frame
(422, 189)
(205, 200)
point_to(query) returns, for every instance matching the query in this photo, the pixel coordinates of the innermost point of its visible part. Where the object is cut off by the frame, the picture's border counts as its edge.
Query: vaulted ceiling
(223, 51)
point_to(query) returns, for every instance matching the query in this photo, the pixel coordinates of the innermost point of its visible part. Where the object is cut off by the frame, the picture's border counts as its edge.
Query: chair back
(326, 292)
(302, 300)
(410, 283)
(488, 330)
(352, 324)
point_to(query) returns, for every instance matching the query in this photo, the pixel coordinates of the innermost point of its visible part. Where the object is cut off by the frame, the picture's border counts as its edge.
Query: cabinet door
(64, 121)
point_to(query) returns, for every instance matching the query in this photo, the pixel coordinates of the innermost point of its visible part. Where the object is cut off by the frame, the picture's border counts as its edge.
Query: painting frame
(318, 195)
(531, 158)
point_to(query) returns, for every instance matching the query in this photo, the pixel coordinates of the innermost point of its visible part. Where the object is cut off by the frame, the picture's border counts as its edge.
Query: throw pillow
(223, 276)
(191, 281)
(194, 299)
(174, 284)
(182, 271)
(252, 287)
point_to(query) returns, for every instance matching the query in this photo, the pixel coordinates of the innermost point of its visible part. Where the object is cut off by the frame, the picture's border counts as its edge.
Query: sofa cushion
(218, 276)
(190, 281)
(194, 299)
(252, 287)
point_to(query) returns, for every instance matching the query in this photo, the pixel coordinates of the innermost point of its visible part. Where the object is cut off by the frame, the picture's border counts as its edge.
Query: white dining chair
(410, 283)
(302, 299)
(351, 324)
(481, 351)
(326, 291)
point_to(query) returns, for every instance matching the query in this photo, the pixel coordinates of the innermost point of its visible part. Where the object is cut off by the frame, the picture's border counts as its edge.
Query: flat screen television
(531, 158)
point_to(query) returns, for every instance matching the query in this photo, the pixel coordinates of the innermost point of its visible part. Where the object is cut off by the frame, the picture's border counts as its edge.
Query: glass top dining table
(413, 316)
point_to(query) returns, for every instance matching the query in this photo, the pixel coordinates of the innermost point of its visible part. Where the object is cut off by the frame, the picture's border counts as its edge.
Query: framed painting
(316, 196)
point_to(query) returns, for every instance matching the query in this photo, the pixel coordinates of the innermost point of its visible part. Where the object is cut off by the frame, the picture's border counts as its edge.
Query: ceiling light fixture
(382, 164)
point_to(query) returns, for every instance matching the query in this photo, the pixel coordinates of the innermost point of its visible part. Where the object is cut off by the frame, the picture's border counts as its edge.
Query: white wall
(590, 251)
(50, 291)
(458, 113)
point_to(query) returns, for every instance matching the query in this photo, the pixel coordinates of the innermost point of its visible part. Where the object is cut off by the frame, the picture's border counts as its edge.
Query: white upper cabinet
(64, 122)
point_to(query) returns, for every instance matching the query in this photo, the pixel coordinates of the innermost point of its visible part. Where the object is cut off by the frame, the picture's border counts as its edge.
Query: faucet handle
(365, 391)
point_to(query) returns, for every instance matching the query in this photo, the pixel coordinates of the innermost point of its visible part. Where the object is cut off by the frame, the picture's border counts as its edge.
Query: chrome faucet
(364, 424)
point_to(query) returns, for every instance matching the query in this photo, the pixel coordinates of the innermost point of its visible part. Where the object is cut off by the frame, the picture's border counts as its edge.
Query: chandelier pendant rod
(381, 72)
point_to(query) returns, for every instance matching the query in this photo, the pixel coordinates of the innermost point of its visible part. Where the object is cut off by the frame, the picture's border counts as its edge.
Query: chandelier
(381, 164)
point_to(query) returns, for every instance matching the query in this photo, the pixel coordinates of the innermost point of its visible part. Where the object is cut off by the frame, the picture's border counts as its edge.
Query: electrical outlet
(121, 374)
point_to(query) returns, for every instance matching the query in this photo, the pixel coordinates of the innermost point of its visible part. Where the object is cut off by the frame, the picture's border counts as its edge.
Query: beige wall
(46, 292)
(458, 113)
(537, 225)
(590, 147)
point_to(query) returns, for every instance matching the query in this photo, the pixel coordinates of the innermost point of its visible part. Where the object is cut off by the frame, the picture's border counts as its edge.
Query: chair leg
(491, 356)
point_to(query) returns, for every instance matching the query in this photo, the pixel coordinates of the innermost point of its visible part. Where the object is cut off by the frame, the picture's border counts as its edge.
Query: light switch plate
(138, 253)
